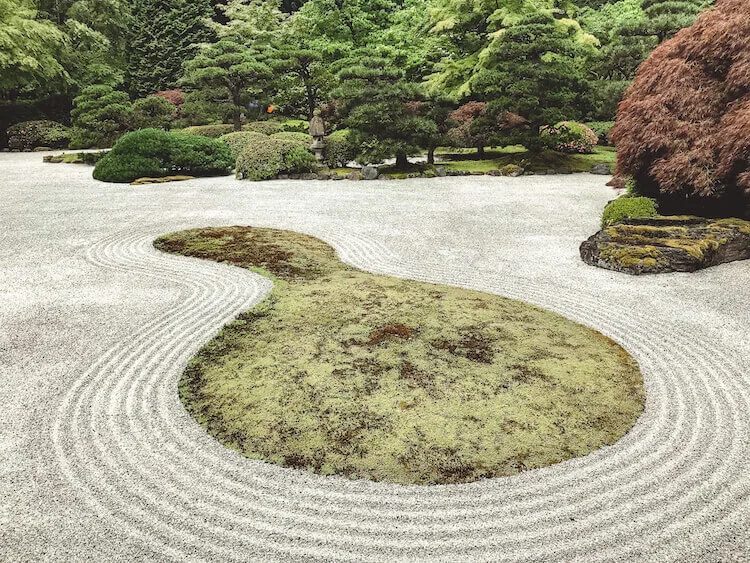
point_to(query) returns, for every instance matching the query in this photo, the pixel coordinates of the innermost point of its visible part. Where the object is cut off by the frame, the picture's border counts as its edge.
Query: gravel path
(99, 461)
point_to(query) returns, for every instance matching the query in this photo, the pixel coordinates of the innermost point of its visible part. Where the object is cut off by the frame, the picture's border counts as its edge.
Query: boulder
(667, 244)
(309, 176)
(601, 169)
(369, 172)
(441, 172)
(354, 176)
(564, 170)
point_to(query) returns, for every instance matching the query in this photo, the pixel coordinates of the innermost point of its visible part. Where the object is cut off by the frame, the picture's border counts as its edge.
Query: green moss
(345, 372)
(627, 207)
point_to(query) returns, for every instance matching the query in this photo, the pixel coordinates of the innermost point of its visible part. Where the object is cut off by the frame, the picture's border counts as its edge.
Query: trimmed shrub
(601, 129)
(570, 137)
(683, 130)
(271, 157)
(175, 97)
(155, 153)
(28, 135)
(152, 112)
(241, 139)
(211, 131)
(265, 127)
(100, 116)
(295, 126)
(339, 150)
(626, 207)
(302, 139)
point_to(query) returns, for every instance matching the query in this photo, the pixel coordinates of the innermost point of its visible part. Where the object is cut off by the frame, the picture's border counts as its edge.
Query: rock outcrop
(668, 244)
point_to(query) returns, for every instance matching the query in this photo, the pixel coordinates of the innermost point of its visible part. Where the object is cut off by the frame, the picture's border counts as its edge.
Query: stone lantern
(318, 133)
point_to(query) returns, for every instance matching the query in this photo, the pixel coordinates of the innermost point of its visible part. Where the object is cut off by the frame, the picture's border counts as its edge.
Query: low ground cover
(540, 162)
(340, 371)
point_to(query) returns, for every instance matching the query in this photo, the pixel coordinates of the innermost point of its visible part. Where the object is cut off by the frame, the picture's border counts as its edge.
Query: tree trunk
(401, 161)
(431, 156)
(480, 151)
(236, 111)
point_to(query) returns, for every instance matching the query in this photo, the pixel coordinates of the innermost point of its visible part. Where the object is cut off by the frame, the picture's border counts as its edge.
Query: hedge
(211, 131)
(271, 157)
(241, 139)
(265, 127)
(155, 153)
(339, 150)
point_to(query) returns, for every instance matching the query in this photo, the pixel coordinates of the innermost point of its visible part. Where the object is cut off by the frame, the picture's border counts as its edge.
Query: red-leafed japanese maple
(683, 130)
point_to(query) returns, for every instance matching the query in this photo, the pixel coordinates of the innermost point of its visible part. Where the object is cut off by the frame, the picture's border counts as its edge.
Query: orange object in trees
(271, 109)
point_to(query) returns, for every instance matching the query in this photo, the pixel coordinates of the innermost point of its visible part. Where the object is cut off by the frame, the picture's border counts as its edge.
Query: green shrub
(295, 126)
(302, 139)
(211, 131)
(339, 150)
(155, 153)
(265, 127)
(100, 116)
(268, 158)
(627, 207)
(31, 134)
(241, 139)
(569, 137)
(152, 112)
(601, 129)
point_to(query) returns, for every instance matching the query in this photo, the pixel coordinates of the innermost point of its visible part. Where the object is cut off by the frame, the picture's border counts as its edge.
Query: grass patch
(341, 371)
(495, 159)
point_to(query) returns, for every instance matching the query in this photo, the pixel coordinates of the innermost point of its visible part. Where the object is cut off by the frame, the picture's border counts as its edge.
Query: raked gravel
(99, 461)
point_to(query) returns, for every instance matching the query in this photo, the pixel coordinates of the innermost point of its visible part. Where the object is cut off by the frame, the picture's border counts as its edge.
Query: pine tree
(666, 17)
(164, 35)
(376, 104)
(231, 69)
(530, 69)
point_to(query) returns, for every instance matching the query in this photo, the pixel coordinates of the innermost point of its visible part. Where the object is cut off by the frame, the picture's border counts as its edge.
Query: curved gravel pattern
(99, 460)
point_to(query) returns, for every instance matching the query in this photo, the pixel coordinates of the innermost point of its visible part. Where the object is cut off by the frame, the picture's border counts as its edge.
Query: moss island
(340, 371)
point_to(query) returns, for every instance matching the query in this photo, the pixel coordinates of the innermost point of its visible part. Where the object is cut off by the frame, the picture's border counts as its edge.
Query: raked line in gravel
(100, 461)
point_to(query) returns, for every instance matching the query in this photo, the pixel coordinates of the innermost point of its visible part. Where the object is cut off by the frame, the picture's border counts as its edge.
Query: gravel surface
(99, 461)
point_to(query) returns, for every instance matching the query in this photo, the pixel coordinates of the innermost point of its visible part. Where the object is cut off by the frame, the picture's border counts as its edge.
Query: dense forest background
(545, 60)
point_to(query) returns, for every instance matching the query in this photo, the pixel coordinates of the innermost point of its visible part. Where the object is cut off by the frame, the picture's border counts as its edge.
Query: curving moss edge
(345, 372)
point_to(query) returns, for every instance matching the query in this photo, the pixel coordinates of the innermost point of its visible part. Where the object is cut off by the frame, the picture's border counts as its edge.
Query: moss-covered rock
(667, 244)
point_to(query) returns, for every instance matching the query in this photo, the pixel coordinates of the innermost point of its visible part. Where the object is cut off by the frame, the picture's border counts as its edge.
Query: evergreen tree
(530, 69)
(233, 71)
(664, 18)
(100, 115)
(377, 106)
(164, 35)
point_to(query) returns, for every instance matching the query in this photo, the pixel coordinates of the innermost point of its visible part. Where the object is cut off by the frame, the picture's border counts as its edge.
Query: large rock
(668, 244)
(602, 169)
(369, 173)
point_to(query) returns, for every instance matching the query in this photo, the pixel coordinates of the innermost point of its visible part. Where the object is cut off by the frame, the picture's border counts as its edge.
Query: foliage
(155, 153)
(601, 129)
(212, 131)
(683, 131)
(530, 69)
(265, 127)
(232, 68)
(374, 95)
(29, 48)
(468, 130)
(664, 18)
(626, 207)
(238, 140)
(100, 115)
(28, 135)
(295, 126)
(164, 34)
(267, 158)
(570, 137)
(339, 149)
(152, 112)
(176, 97)
(302, 139)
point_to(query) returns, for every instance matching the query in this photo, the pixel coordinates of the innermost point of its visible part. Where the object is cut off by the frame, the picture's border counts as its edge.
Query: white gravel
(99, 461)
